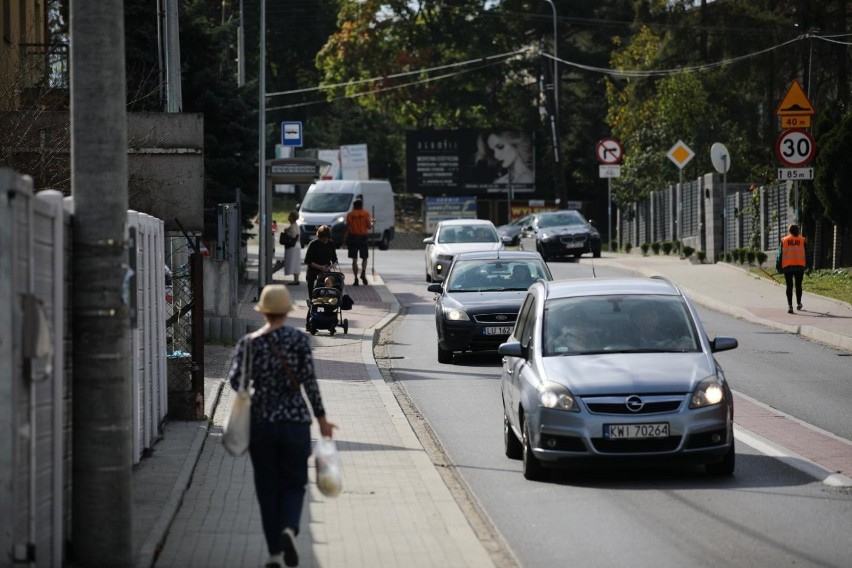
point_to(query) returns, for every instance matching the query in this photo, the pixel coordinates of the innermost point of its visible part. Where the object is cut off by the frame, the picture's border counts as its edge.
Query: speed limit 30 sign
(795, 148)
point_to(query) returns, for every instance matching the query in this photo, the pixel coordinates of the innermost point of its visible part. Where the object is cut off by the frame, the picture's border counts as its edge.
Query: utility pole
(102, 390)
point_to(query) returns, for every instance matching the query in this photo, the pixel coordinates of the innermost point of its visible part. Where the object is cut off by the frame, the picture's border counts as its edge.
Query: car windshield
(467, 234)
(592, 325)
(558, 219)
(322, 202)
(495, 275)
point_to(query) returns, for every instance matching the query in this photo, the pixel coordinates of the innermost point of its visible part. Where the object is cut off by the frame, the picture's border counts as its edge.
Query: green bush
(750, 256)
(727, 257)
(737, 254)
(628, 247)
(761, 257)
(613, 246)
(676, 246)
(701, 255)
(687, 251)
(667, 247)
(644, 247)
(656, 248)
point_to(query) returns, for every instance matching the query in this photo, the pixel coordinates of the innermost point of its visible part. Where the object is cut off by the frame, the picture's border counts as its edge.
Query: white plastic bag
(327, 459)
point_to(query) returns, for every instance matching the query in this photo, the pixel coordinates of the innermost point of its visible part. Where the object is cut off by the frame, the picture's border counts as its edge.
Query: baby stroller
(326, 304)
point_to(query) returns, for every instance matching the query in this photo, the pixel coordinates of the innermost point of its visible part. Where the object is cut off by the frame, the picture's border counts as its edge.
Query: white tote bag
(237, 424)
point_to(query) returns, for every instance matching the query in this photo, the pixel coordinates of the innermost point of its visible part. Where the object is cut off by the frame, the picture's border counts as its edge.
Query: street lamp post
(555, 63)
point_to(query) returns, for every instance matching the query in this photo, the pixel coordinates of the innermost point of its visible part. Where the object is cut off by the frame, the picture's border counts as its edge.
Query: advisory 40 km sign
(795, 148)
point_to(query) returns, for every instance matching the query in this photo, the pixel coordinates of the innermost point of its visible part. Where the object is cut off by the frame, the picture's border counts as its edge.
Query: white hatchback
(453, 236)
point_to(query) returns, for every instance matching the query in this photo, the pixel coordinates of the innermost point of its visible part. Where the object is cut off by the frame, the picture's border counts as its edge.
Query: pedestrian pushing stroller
(326, 303)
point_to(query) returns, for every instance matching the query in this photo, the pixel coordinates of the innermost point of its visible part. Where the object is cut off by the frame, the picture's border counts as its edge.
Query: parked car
(560, 233)
(454, 236)
(617, 369)
(513, 229)
(476, 307)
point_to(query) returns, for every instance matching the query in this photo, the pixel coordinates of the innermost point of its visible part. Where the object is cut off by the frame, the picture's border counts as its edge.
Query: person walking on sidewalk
(792, 261)
(291, 239)
(280, 441)
(358, 225)
(319, 256)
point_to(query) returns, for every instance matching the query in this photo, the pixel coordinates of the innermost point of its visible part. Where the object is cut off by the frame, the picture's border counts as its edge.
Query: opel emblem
(634, 403)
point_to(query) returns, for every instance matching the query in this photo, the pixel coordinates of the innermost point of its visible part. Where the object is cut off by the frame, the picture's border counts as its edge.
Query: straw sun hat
(274, 299)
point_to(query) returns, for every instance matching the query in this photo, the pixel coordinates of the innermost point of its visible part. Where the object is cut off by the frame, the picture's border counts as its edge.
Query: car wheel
(384, 244)
(444, 355)
(724, 467)
(596, 254)
(533, 470)
(346, 326)
(428, 277)
(511, 444)
(540, 250)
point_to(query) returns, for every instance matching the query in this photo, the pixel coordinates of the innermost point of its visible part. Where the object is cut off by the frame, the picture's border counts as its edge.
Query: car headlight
(340, 219)
(544, 237)
(709, 391)
(557, 397)
(454, 314)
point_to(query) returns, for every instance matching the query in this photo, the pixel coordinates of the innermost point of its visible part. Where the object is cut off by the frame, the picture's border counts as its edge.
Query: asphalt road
(768, 514)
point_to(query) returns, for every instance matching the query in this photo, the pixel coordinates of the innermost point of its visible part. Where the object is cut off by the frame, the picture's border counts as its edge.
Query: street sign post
(795, 148)
(609, 152)
(795, 109)
(291, 134)
(680, 154)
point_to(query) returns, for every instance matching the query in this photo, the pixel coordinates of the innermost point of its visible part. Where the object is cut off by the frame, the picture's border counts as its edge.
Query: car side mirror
(429, 241)
(513, 349)
(506, 240)
(436, 288)
(723, 344)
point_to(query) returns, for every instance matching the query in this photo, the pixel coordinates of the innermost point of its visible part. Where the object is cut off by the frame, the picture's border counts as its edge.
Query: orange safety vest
(793, 251)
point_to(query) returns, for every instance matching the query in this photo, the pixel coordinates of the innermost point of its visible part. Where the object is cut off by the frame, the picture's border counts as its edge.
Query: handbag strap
(294, 383)
(245, 369)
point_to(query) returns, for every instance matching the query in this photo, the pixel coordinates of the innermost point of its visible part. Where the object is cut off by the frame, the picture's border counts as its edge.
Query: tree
(834, 172)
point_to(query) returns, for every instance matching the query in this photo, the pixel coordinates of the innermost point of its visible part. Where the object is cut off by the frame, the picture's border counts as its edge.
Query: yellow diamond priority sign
(680, 154)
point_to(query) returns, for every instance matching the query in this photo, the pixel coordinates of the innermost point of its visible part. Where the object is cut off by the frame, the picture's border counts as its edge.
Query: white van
(328, 201)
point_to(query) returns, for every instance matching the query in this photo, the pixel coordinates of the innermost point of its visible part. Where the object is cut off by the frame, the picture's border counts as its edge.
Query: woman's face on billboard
(504, 152)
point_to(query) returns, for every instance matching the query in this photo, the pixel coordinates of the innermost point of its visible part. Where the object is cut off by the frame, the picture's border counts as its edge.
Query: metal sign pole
(609, 213)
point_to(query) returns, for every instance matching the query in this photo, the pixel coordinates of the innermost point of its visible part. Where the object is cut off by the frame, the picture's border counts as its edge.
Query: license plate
(502, 330)
(636, 431)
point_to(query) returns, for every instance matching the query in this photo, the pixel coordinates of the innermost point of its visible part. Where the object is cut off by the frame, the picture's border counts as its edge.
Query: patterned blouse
(274, 398)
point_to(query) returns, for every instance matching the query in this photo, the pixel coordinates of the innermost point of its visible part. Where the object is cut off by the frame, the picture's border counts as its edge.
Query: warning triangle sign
(795, 102)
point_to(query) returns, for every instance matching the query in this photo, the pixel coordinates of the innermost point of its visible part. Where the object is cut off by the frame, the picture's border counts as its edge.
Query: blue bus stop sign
(291, 134)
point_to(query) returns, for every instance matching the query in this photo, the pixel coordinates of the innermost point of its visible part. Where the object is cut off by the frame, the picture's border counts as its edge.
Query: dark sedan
(560, 233)
(477, 305)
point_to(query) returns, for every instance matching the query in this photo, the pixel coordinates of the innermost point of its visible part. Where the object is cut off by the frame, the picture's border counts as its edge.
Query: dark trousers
(791, 276)
(279, 455)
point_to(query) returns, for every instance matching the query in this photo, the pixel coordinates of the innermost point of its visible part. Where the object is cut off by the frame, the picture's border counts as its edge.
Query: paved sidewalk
(395, 509)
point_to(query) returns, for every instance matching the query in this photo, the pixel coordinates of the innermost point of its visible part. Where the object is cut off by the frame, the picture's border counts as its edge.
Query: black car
(560, 233)
(478, 302)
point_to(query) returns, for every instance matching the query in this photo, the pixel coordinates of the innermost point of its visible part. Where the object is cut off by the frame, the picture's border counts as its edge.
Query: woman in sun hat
(281, 366)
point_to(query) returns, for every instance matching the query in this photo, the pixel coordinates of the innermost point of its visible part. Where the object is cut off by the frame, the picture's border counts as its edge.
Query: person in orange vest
(358, 225)
(792, 261)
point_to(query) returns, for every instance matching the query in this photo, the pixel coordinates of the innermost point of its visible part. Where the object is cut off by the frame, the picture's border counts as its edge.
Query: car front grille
(499, 319)
(605, 446)
(618, 404)
(573, 240)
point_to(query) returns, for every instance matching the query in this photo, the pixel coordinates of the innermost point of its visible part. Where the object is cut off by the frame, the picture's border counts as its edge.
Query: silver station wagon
(614, 370)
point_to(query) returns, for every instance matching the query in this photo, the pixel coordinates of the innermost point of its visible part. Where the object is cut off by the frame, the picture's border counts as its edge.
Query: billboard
(469, 162)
